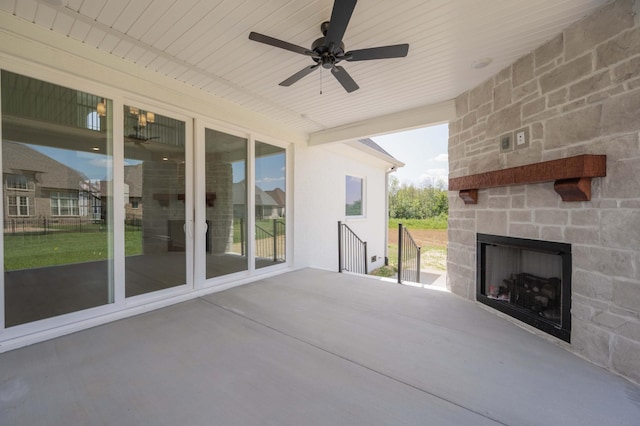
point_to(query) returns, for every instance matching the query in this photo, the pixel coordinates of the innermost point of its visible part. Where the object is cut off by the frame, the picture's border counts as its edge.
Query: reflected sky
(270, 173)
(92, 165)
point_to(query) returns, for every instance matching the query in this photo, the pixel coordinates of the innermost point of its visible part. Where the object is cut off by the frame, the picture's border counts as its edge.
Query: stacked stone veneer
(220, 182)
(577, 94)
(167, 178)
(162, 179)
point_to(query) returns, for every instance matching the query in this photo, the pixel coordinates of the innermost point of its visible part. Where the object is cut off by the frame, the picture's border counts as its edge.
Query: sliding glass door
(157, 229)
(225, 203)
(270, 203)
(242, 189)
(57, 195)
(66, 175)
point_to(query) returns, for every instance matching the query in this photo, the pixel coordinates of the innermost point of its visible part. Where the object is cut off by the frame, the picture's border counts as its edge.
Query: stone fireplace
(575, 97)
(529, 280)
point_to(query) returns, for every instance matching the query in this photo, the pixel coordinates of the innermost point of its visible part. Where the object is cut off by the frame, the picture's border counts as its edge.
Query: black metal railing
(408, 257)
(42, 226)
(271, 243)
(352, 251)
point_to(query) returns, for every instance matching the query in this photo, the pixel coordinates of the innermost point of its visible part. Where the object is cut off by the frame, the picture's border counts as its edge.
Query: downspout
(386, 217)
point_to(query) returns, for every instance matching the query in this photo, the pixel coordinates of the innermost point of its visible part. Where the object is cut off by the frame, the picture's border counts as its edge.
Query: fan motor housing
(326, 57)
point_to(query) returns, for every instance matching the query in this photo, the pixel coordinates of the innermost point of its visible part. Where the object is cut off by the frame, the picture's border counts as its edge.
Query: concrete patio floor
(311, 348)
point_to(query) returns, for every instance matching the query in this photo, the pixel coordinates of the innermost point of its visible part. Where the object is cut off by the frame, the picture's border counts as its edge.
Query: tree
(410, 202)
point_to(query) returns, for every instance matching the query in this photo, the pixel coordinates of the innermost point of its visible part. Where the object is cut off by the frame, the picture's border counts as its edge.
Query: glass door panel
(156, 235)
(225, 203)
(270, 203)
(57, 186)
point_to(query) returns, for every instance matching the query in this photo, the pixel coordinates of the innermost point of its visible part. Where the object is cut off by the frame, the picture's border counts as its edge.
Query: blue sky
(424, 152)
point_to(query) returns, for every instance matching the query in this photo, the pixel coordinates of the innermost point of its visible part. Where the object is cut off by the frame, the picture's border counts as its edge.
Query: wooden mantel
(572, 177)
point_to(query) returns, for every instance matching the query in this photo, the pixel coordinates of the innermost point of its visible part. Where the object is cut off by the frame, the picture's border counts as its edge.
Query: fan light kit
(143, 120)
(329, 50)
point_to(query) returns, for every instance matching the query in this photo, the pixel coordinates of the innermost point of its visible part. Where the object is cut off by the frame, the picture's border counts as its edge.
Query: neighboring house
(39, 187)
(265, 206)
(280, 199)
(133, 196)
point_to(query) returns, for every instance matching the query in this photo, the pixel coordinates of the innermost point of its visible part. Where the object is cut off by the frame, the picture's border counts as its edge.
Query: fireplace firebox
(529, 280)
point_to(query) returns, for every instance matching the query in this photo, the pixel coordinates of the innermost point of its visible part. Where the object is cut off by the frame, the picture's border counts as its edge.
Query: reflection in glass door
(57, 186)
(225, 203)
(270, 203)
(156, 234)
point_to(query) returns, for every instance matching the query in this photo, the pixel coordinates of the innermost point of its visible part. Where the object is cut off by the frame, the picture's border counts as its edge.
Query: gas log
(536, 294)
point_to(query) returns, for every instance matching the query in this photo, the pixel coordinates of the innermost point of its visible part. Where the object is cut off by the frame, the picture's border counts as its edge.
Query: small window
(354, 196)
(135, 204)
(18, 205)
(17, 182)
(93, 121)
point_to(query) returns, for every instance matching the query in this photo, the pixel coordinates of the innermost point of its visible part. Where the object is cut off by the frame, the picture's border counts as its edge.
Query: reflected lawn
(24, 251)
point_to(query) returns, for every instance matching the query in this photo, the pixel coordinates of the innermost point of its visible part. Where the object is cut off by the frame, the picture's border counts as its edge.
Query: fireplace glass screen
(527, 279)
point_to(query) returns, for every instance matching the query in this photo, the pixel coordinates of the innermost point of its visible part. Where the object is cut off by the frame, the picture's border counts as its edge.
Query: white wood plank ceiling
(204, 43)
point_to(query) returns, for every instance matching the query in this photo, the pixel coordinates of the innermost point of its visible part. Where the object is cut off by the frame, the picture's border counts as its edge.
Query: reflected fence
(270, 234)
(270, 240)
(43, 226)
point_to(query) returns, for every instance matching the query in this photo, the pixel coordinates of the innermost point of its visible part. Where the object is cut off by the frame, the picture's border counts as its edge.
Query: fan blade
(344, 78)
(297, 76)
(261, 38)
(384, 52)
(340, 17)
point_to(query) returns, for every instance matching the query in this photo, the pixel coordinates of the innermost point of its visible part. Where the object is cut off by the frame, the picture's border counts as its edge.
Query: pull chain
(321, 80)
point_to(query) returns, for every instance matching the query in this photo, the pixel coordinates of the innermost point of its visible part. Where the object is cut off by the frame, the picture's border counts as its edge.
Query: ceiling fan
(329, 50)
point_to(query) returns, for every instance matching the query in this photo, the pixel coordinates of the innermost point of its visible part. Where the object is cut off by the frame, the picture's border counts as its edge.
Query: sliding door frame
(173, 113)
(195, 283)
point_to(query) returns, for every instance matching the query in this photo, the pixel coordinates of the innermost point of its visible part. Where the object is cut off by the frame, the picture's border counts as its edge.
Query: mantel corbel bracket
(571, 176)
(578, 189)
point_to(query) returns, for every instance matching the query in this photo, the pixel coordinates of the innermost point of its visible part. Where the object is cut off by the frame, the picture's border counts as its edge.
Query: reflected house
(267, 207)
(41, 188)
(279, 196)
(133, 193)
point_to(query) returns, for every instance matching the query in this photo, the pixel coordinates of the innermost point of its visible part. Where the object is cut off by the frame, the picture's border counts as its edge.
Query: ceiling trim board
(415, 118)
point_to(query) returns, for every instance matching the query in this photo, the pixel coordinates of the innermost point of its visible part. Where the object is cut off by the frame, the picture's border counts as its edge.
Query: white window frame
(363, 200)
(61, 196)
(17, 205)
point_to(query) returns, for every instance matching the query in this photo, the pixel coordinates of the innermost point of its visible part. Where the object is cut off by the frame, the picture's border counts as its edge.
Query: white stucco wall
(321, 203)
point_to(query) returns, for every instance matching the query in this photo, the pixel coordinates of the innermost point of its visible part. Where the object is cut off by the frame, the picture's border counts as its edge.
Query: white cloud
(270, 179)
(101, 162)
(432, 176)
(443, 158)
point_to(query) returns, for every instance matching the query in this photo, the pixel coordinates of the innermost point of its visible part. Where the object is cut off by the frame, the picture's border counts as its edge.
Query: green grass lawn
(439, 222)
(23, 251)
(432, 256)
